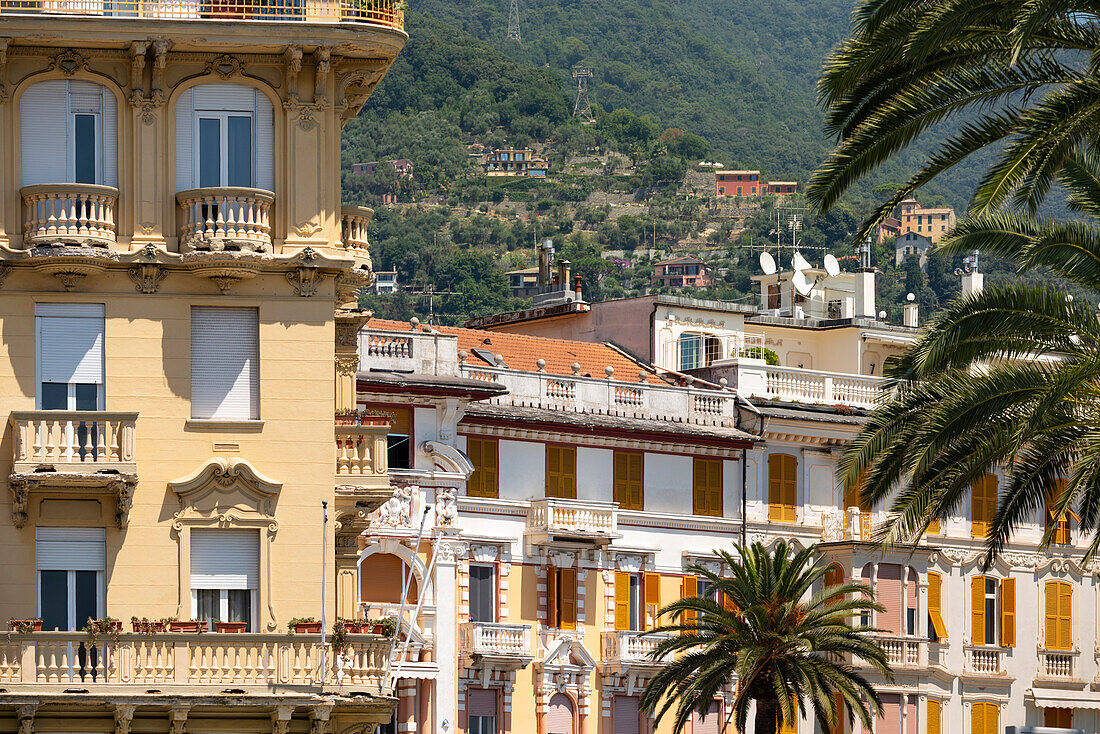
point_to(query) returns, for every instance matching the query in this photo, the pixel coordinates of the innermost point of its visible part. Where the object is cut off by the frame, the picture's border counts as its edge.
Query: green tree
(1004, 378)
(782, 634)
(1014, 76)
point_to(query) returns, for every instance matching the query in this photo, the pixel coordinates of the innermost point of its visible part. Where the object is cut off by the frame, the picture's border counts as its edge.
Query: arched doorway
(559, 720)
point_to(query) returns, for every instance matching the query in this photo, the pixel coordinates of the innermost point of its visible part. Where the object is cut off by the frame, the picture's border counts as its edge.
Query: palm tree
(1017, 74)
(1009, 377)
(785, 642)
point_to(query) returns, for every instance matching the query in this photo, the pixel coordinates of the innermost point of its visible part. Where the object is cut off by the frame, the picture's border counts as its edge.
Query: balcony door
(68, 133)
(69, 350)
(225, 136)
(225, 575)
(71, 563)
(224, 149)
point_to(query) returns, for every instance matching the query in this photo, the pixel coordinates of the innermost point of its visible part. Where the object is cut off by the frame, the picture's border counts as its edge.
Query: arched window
(225, 136)
(381, 578)
(834, 576)
(68, 133)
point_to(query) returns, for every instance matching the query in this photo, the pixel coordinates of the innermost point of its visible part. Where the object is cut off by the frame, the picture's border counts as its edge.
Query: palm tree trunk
(767, 713)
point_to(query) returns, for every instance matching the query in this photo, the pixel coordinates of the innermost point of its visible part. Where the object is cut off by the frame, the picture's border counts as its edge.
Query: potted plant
(371, 418)
(339, 637)
(304, 626)
(351, 626)
(385, 626)
(147, 626)
(25, 626)
(347, 417)
(186, 625)
(230, 626)
(106, 627)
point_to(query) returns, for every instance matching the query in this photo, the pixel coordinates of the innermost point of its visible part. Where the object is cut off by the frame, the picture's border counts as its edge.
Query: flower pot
(353, 628)
(378, 628)
(374, 420)
(307, 628)
(186, 626)
(148, 627)
(34, 624)
(346, 420)
(114, 627)
(230, 626)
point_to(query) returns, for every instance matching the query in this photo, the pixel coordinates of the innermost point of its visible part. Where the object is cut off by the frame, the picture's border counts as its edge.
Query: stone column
(446, 632)
(348, 325)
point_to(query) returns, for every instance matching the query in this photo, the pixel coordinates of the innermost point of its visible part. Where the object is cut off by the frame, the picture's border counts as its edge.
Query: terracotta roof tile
(521, 351)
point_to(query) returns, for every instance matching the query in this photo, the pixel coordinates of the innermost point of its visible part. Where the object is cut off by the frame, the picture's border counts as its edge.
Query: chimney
(865, 293)
(972, 283)
(577, 286)
(545, 256)
(909, 314)
(563, 274)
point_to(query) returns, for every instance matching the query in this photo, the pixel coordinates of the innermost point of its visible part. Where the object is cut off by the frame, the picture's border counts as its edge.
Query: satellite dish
(832, 267)
(767, 263)
(799, 263)
(801, 284)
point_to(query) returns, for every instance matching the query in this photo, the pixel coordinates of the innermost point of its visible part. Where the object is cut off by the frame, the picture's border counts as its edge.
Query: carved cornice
(121, 486)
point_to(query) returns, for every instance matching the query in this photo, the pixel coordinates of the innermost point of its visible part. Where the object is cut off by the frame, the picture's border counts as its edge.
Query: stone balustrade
(550, 518)
(904, 652)
(495, 639)
(755, 378)
(1058, 664)
(387, 13)
(983, 660)
(629, 647)
(70, 213)
(354, 221)
(86, 439)
(225, 218)
(68, 660)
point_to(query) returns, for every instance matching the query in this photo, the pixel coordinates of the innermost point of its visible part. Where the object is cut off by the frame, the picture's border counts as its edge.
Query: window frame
(483, 482)
(494, 605)
(223, 137)
(561, 492)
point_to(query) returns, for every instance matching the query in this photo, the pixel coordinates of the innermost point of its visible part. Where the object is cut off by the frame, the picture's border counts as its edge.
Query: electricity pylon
(513, 22)
(582, 108)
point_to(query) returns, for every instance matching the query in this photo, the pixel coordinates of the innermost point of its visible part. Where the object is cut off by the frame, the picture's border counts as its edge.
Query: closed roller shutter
(888, 594)
(225, 368)
(627, 715)
(185, 155)
(43, 123)
(225, 559)
(481, 702)
(70, 549)
(709, 724)
(559, 719)
(70, 342)
(890, 722)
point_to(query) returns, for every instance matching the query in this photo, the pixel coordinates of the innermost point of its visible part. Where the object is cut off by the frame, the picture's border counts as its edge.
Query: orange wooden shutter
(551, 597)
(977, 610)
(569, 472)
(553, 471)
(934, 718)
(568, 599)
(1065, 616)
(934, 528)
(619, 491)
(935, 615)
(983, 505)
(1058, 718)
(622, 600)
(627, 480)
(1050, 614)
(652, 587)
(707, 487)
(636, 464)
(782, 488)
(690, 589)
(1061, 522)
(1008, 612)
(483, 455)
(714, 487)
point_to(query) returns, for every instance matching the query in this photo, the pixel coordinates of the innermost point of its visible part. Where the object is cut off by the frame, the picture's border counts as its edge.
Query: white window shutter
(225, 368)
(225, 559)
(185, 151)
(70, 549)
(109, 139)
(263, 123)
(43, 125)
(70, 342)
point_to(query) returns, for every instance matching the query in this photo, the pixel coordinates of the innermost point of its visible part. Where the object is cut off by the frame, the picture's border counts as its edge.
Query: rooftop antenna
(513, 23)
(582, 108)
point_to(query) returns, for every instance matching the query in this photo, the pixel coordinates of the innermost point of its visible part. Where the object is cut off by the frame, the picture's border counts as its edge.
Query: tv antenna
(582, 108)
(513, 22)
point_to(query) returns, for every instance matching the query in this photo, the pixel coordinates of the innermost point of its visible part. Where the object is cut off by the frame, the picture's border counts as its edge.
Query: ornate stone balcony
(73, 452)
(982, 661)
(504, 645)
(904, 653)
(354, 221)
(753, 377)
(69, 213)
(225, 218)
(362, 472)
(570, 521)
(184, 662)
(1058, 665)
(627, 648)
(388, 13)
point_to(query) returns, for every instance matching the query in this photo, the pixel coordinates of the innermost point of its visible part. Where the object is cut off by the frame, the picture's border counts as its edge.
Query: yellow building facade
(178, 287)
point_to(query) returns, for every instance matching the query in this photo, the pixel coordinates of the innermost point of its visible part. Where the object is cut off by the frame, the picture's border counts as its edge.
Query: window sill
(203, 424)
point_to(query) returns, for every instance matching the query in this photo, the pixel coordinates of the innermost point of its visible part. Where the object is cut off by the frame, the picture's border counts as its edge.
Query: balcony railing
(562, 519)
(496, 639)
(388, 13)
(753, 377)
(983, 660)
(904, 652)
(1058, 664)
(82, 439)
(69, 212)
(262, 661)
(354, 221)
(225, 218)
(626, 647)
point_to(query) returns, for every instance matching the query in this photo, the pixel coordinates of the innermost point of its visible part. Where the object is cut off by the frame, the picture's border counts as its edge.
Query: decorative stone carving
(225, 66)
(121, 486)
(319, 719)
(4, 93)
(450, 551)
(26, 718)
(832, 526)
(305, 281)
(68, 63)
(396, 512)
(347, 364)
(446, 507)
(280, 719)
(19, 497)
(138, 51)
(147, 277)
(293, 56)
(5, 270)
(177, 719)
(307, 228)
(124, 717)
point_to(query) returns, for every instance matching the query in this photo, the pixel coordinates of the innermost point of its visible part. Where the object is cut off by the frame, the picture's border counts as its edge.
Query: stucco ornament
(396, 512)
(446, 507)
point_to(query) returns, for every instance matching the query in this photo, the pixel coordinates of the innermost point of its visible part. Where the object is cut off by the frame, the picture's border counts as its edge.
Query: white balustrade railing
(631, 647)
(573, 517)
(72, 437)
(904, 651)
(495, 638)
(361, 450)
(69, 212)
(354, 221)
(983, 660)
(242, 660)
(1060, 664)
(387, 344)
(226, 218)
(757, 379)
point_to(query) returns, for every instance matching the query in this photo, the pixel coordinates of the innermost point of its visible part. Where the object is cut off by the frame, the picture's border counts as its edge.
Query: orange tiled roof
(521, 351)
